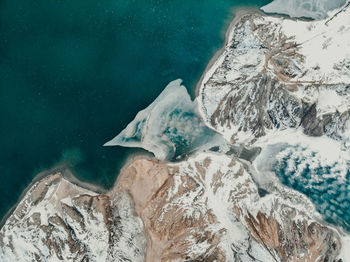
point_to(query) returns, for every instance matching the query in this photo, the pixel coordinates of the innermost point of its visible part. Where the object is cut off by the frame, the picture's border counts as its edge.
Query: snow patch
(330, 101)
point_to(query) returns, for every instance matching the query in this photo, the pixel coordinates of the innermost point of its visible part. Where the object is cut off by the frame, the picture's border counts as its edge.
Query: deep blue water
(74, 73)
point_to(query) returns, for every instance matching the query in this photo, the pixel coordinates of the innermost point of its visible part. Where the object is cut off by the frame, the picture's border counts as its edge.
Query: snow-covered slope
(278, 73)
(59, 221)
(204, 209)
(281, 87)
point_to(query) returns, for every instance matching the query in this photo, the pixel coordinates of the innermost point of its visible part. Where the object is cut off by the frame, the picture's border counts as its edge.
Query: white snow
(329, 149)
(330, 101)
(316, 9)
(23, 237)
(326, 51)
(345, 251)
(325, 47)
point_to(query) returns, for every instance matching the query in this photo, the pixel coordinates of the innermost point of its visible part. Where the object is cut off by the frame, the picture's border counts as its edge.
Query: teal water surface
(74, 73)
(327, 186)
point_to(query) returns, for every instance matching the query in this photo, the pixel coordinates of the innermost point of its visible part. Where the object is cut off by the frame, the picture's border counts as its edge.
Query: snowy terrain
(283, 85)
(280, 88)
(207, 208)
(274, 73)
(59, 221)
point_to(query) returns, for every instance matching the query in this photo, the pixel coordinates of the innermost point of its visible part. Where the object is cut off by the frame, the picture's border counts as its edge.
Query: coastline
(67, 171)
(68, 174)
(238, 14)
(211, 65)
(60, 168)
(129, 160)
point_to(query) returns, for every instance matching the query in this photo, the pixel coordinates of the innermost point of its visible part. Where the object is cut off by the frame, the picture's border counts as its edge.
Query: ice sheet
(316, 9)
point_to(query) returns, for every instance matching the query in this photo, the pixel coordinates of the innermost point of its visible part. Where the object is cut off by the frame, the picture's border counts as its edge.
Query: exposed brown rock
(201, 209)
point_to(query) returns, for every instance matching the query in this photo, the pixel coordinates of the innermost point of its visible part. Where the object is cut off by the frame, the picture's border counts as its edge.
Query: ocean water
(75, 73)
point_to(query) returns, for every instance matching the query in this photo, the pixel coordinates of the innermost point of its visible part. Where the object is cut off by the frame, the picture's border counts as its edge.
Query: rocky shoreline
(257, 92)
(61, 169)
(238, 13)
(171, 213)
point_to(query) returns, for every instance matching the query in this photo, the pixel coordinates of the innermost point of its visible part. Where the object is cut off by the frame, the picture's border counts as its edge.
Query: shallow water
(170, 127)
(327, 185)
(75, 73)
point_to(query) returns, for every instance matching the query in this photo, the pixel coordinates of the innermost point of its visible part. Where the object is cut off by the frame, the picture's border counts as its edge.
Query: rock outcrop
(204, 209)
(59, 221)
(277, 73)
(219, 203)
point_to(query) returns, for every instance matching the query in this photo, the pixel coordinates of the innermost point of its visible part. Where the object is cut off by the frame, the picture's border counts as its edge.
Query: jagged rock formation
(203, 209)
(274, 74)
(277, 73)
(59, 221)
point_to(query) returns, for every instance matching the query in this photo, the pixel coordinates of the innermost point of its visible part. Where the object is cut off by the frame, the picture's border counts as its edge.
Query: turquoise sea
(74, 73)
(327, 186)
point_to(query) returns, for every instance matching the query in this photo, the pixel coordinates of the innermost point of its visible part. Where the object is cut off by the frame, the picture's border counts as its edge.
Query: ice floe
(318, 167)
(170, 127)
(316, 9)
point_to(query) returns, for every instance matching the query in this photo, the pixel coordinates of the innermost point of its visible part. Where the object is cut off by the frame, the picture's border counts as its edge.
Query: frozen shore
(167, 211)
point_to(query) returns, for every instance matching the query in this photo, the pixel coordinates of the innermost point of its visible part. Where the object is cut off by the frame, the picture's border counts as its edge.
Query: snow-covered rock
(59, 221)
(281, 85)
(277, 73)
(207, 208)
